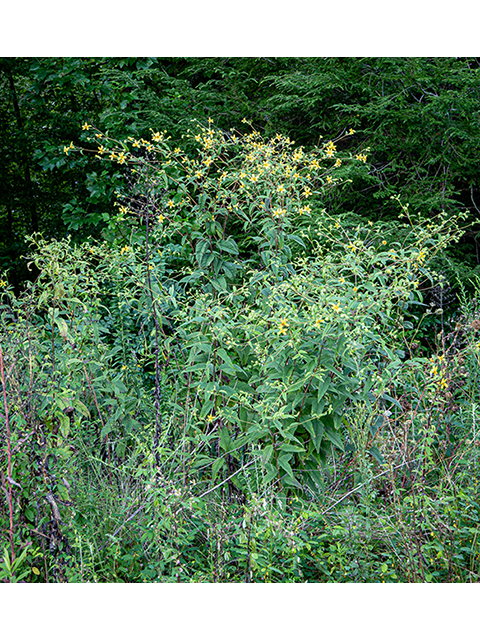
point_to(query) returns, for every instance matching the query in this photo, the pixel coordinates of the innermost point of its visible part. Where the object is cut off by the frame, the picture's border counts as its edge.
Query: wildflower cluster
(272, 176)
(438, 371)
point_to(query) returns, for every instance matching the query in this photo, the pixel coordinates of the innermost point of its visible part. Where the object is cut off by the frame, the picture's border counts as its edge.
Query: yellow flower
(351, 131)
(157, 137)
(86, 126)
(121, 158)
(161, 219)
(307, 192)
(113, 155)
(170, 204)
(338, 162)
(282, 329)
(101, 149)
(336, 307)
(305, 209)
(443, 383)
(421, 256)
(210, 417)
(208, 161)
(330, 149)
(66, 150)
(3, 283)
(329, 179)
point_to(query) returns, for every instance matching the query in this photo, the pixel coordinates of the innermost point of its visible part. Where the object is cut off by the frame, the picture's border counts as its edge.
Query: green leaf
(217, 465)
(64, 425)
(224, 356)
(206, 408)
(271, 473)
(292, 481)
(267, 453)
(322, 389)
(390, 399)
(283, 462)
(228, 245)
(375, 425)
(108, 428)
(225, 440)
(315, 428)
(373, 451)
(335, 438)
(290, 448)
(196, 367)
(200, 249)
(62, 327)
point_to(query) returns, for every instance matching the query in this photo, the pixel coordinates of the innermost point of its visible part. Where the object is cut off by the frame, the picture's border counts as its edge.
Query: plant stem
(9, 454)
(92, 389)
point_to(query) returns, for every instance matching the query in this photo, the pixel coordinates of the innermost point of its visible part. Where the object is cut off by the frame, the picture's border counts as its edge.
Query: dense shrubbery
(236, 386)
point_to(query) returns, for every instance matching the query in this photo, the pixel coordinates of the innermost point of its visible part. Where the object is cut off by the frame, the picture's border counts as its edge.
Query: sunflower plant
(275, 318)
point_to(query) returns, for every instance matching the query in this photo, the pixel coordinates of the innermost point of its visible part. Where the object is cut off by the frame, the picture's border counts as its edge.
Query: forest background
(170, 415)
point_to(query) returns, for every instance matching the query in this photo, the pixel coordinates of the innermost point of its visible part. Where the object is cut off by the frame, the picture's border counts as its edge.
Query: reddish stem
(9, 453)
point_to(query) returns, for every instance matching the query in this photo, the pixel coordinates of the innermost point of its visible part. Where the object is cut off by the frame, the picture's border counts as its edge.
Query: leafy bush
(229, 384)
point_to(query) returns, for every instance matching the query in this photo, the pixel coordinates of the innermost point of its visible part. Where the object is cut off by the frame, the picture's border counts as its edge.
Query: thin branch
(227, 479)
(471, 196)
(363, 484)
